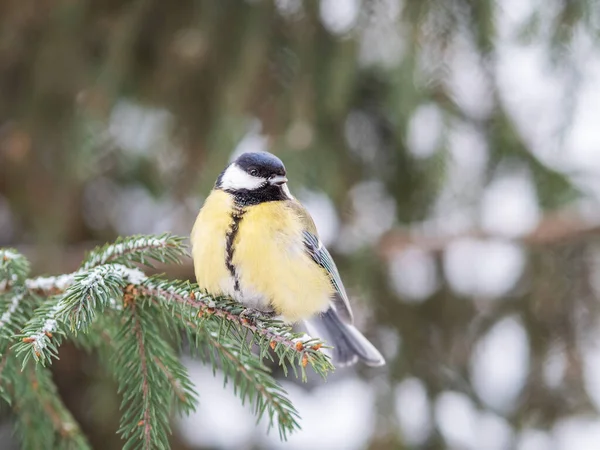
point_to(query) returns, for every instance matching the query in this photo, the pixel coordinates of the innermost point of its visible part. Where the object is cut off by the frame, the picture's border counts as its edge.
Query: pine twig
(144, 369)
(110, 305)
(275, 336)
(58, 285)
(140, 249)
(286, 413)
(174, 383)
(283, 411)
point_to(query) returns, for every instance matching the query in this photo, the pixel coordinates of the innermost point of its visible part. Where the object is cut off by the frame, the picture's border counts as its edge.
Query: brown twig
(203, 306)
(145, 385)
(554, 228)
(240, 367)
(174, 383)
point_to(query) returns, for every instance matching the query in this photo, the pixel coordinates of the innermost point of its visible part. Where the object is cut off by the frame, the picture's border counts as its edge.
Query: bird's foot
(253, 314)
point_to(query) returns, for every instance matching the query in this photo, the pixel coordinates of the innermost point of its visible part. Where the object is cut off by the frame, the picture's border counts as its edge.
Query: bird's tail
(349, 345)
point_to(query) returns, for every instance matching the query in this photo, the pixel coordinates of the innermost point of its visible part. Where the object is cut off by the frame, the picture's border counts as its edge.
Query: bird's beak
(278, 180)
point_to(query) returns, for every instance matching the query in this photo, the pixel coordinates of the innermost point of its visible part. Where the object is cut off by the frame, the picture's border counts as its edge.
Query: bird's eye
(253, 172)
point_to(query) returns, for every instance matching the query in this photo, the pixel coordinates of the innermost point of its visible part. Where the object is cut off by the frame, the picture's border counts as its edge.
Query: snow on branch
(110, 305)
(14, 267)
(297, 349)
(14, 304)
(140, 249)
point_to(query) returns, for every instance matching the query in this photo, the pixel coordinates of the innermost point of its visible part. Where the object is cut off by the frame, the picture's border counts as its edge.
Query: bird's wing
(315, 248)
(321, 256)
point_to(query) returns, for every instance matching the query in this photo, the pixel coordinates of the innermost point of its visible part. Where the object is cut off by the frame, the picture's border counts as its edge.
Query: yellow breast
(208, 242)
(268, 255)
(270, 258)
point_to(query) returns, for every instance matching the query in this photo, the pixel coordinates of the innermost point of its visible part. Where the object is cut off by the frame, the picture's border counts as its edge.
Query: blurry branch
(110, 305)
(555, 228)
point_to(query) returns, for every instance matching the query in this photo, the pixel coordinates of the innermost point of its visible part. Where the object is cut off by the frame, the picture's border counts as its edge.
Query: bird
(257, 244)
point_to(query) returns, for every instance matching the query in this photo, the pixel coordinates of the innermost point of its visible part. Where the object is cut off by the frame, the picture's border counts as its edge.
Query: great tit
(254, 242)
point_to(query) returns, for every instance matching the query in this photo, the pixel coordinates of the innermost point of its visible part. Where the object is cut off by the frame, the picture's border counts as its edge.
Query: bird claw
(254, 314)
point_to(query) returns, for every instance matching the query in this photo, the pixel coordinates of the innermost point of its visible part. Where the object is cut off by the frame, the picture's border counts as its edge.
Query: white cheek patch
(235, 178)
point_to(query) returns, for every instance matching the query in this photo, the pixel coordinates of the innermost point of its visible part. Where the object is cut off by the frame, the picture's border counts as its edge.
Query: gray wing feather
(321, 256)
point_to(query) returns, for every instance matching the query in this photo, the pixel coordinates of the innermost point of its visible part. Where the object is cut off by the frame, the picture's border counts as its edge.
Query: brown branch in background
(554, 228)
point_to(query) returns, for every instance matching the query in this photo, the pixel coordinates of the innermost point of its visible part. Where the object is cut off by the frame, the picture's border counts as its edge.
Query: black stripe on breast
(236, 218)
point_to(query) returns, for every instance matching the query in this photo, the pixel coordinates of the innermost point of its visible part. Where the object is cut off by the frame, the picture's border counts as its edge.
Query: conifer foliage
(138, 325)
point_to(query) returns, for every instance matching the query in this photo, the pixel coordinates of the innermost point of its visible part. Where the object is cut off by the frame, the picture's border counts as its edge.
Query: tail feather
(349, 345)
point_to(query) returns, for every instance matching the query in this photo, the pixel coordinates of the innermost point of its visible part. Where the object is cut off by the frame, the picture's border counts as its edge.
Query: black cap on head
(260, 164)
(253, 178)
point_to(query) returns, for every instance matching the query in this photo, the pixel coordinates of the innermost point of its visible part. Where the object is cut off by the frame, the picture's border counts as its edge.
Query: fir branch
(12, 309)
(99, 337)
(63, 422)
(147, 437)
(175, 383)
(268, 396)
(14, 268)
(140, 249)
(88, 294)
(266, 332)
(41, 336)
(3, 362)
(251, 378)
(42, 418)
(288, 346)
(3, 379)
(51, 285)
(147, 397)
(92, 290)
(130, 337)
(102, 337)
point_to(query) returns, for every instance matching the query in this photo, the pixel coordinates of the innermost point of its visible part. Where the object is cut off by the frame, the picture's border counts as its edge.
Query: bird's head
(251, 172)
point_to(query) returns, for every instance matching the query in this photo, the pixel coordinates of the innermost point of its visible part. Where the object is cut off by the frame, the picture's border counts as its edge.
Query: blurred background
(448, 149)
